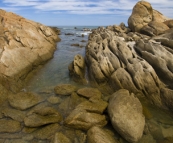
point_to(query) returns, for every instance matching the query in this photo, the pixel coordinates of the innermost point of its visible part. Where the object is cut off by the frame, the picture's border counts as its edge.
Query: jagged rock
(166, 39)
(126, 116)
(77, 69)
(9, 126)
(24, 100)
(99, 135)
(81, 119)
(154, 28)
(117, 64)
(42, 117)
(160, 59)
(167, 97)
(24, 45)
(169, 23)
(141, 15)
(65, 89)
(61, 138)
(86, 115)
(89, 92)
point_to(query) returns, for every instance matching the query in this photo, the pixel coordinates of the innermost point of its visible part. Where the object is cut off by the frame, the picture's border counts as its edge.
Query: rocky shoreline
(132, 68)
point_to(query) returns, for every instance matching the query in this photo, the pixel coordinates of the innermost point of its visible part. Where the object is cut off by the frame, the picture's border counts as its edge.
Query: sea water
(55, 71)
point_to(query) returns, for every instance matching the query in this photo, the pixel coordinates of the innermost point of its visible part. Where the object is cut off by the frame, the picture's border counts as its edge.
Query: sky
(80, 12)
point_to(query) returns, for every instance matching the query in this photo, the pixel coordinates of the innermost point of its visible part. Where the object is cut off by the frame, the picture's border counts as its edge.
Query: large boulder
(126, 116)
(24, 45)
(141, 15)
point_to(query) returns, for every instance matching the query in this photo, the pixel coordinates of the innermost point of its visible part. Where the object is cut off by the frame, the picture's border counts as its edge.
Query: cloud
(88, 6)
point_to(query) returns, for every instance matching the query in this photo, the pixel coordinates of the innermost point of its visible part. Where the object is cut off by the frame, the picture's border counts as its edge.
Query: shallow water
(55, 72)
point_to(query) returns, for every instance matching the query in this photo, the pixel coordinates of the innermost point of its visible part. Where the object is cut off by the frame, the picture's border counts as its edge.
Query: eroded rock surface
(24, 45)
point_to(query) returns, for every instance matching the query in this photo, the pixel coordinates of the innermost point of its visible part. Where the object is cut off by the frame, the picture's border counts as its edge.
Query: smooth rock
(65, 89)
(89, 92)
(126, 116)
(54, 99)
(46, 132)
(24, 100)
(9, 126)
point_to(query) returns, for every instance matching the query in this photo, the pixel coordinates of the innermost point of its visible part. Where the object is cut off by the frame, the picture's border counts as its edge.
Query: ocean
(55, 71)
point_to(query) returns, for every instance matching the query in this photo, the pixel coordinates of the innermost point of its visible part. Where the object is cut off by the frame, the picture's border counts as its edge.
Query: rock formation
(24, 45)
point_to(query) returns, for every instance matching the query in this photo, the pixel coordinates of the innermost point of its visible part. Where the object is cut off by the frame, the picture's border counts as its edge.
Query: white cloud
(89, 6)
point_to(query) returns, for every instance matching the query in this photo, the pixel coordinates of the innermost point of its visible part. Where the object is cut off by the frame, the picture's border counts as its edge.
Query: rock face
(24, 45)
(126, 116)
(146, 18)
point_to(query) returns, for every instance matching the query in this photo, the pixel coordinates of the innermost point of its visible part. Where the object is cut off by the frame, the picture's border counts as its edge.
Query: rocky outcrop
(145, 18)
(24, 45)
(126, 116)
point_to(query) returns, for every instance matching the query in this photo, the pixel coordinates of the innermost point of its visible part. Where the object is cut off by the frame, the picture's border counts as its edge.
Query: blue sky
(80, 12)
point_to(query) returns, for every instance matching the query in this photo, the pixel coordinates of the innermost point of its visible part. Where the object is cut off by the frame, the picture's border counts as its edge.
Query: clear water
(55, 71)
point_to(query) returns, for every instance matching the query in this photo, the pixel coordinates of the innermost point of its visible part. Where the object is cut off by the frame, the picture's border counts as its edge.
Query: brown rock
(89, 92)
(159, 17)
(99, 135)
(24, 45)
(24, 100)
(9, 126)
(169, 23)
(61, 138)
(65, 89)
(126, 116)
(141, 16)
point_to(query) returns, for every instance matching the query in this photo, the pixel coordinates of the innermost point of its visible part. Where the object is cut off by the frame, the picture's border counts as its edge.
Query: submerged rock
(98, 135)
(65, 89)
(9, 126)
(125, 112)
(24, 100)
(42, 117)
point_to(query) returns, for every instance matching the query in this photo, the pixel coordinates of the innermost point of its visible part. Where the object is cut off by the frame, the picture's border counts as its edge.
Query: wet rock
(81, 119)
(15, 141)
(126, 116)
(54, 99)
(61, 138)
(9, 126)
(70, 103)
(147, 139)
(14, 114)
(77, 69)
(65, 89)
(167, 97)
(89, 92)
(69, 34)
(98, 135)
(42, 117)
(24, 100)
(46, 132)
(76, 45)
